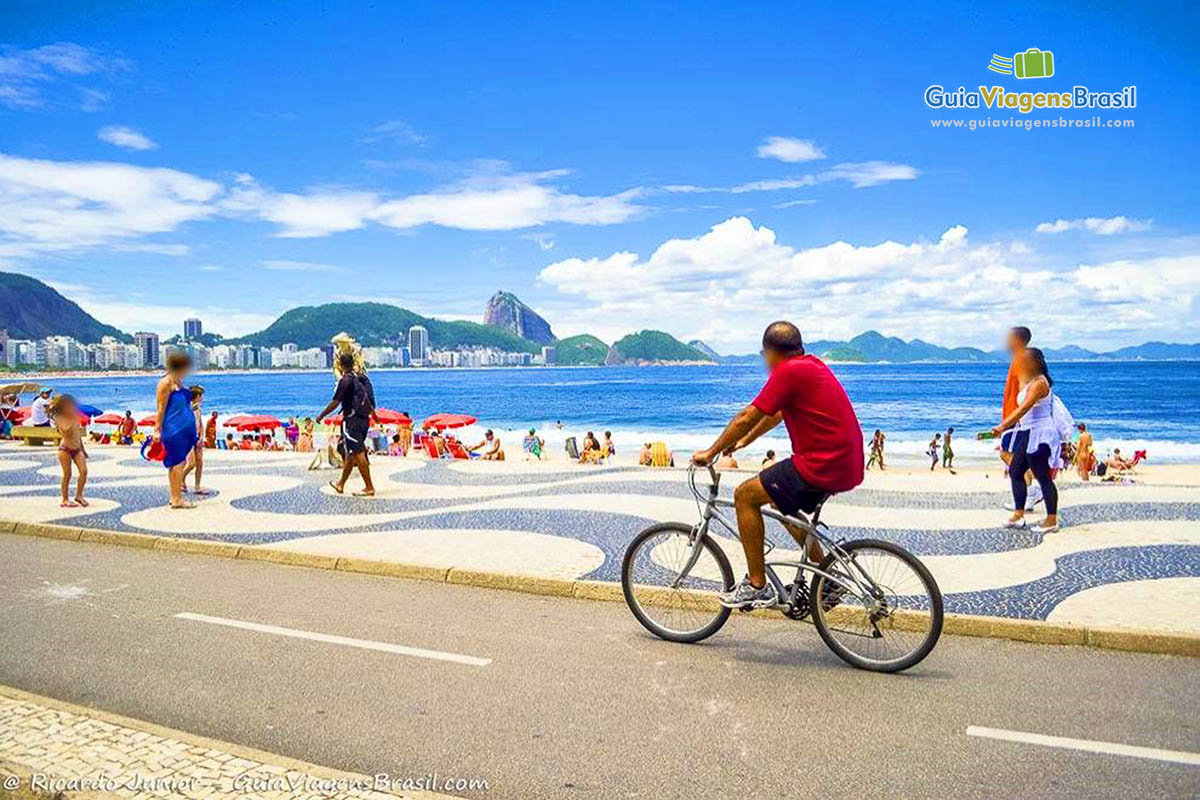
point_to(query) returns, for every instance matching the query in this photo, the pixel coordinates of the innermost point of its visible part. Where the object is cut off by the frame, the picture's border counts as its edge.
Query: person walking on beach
(356, 396)
(876, 449)
(827, 452)
(934, 450)
(175, 424)
(406, 433)
(1037, 442)
(1016, 343)
(947, 450)
(196, 460)
(1085, 456)
(64, 412)
(210, 432)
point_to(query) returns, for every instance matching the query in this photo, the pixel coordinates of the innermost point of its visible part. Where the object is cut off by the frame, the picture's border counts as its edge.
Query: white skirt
(1046, 434)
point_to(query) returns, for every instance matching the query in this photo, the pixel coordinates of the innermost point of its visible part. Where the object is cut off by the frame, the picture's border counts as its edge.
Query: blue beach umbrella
(91, 411)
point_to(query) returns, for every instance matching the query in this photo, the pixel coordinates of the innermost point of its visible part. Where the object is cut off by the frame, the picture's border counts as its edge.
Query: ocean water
(1131, 405)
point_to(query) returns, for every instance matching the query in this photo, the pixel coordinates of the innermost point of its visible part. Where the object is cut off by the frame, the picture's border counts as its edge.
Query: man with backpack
(356, 396)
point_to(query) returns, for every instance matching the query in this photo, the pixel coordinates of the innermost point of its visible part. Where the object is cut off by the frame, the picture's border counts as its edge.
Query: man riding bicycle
(827, 452)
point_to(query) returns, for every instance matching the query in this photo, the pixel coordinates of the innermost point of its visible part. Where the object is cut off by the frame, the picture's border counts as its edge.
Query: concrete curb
(237, 750)
(1022, 630)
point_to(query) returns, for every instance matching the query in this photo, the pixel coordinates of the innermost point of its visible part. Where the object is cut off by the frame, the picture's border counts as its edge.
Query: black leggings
(1039, 462)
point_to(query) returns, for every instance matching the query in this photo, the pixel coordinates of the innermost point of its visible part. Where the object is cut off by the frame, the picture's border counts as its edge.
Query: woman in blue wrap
(175, 424)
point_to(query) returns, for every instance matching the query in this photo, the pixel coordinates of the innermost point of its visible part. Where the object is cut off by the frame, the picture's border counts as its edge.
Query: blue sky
(702, 170)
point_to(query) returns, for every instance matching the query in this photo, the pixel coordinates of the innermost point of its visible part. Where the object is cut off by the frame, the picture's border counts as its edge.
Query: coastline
(17, 377)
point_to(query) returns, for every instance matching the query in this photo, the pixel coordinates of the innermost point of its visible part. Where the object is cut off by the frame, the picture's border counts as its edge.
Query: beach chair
(457, 450)
(221, 445)
(572, 448)
(660, 456)
(430, 448)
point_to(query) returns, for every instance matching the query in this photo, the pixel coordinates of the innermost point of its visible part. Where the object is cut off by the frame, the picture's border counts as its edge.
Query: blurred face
(1026, 366)
(1014, 344)
(772, 358)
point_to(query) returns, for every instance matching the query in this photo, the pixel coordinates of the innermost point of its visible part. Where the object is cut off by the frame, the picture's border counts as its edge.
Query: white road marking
(1087, 745)
(365, 644)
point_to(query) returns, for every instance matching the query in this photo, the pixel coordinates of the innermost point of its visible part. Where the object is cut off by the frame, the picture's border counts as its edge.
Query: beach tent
(444, 421)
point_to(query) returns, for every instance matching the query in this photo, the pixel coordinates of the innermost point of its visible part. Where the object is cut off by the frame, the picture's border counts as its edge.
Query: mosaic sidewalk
(56, 749)
(1129, 555)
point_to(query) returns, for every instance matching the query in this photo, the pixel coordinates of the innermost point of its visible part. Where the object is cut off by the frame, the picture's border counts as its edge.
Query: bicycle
(874, 604)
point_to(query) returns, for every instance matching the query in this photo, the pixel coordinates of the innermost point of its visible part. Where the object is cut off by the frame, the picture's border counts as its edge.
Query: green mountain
(379, 324)
(30, 309)
(652, 347)
(843, 353)
(583, 350)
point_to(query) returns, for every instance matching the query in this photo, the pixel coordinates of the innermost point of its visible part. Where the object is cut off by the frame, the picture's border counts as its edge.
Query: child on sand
(196, 459)
(65, 414)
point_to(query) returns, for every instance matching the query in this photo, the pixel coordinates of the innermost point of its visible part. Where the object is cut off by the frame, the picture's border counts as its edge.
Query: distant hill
(584, 350)
(704, 348)
(652, 347)
(378, 324)
(1157, 350)
(506, 312)
(30, 309)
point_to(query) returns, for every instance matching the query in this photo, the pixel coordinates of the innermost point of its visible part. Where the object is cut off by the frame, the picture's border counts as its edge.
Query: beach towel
(660, 456)
(178, 435)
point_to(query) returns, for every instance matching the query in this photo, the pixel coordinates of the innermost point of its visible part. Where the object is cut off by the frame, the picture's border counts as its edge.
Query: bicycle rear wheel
(676, 610)
(891, 631)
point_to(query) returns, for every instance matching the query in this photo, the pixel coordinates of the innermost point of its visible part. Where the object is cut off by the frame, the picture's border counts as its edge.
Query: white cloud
(861, 174)
(544, 241)
(858, 174)
(506, 201)
(320, 212)
(774, 185)
(794, 203)
(791, 150)
(396, 130)
(287, 265)
(65, 205)
(1104, 226)
(723, 285)
(121, 136)
(25, 75)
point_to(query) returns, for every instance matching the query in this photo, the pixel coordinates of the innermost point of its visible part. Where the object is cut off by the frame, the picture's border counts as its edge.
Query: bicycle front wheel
(673, 608)
(889, 629)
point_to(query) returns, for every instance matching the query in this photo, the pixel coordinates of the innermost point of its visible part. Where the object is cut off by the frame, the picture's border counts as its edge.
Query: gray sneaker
(745, 595)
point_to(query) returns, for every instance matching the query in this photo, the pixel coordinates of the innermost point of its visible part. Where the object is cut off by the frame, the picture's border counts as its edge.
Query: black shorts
(1006, 440)
(354, 436)
(788, 489)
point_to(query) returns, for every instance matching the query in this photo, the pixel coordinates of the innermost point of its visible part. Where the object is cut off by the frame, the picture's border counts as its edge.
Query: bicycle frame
(863, 588)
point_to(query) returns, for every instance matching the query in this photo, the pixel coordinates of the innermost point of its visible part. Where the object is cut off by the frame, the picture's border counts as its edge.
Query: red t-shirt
(827, 442)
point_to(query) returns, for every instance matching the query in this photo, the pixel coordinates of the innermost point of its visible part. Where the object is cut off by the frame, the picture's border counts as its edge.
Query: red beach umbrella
(389, 417)
(443, 421)
(257, 422)
(148, 421)
(20, 414)
(111, 418)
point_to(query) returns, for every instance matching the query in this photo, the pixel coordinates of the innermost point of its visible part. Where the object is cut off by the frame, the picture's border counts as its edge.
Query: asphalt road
(577, 700)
